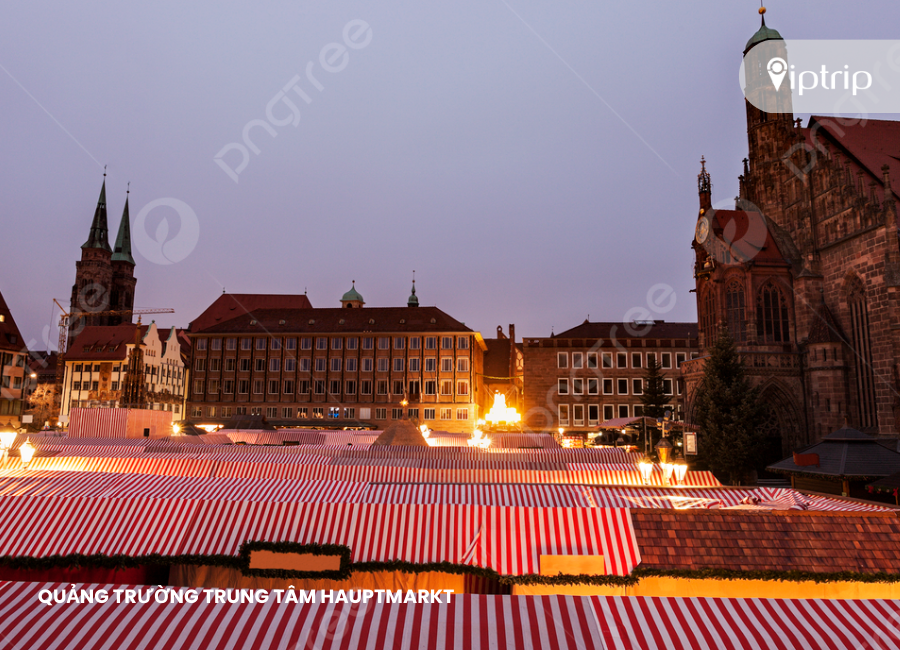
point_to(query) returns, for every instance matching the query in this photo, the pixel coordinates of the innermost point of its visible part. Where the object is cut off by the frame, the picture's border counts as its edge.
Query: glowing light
(567, 443)
(175, 429)
(561, 430)
(7, 438)
(209, 428)
(425, 431)
(26, 451)
(667, 469)
(500, 412)
(646, 468)
(479, 440)
(681, 469)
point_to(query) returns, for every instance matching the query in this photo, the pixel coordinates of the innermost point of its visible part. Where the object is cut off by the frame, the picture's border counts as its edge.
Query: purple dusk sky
(535, 162)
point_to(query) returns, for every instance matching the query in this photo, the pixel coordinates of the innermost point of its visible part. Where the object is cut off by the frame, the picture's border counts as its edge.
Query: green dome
(764, 34)
(353, 294)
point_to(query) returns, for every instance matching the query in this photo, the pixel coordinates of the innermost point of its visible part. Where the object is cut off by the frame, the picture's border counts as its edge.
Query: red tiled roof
(750, 236)
(872, 143)
(108, 343)
(231, 305)
(10, 338)
(658, 330)
(818, 542)
(366, 319)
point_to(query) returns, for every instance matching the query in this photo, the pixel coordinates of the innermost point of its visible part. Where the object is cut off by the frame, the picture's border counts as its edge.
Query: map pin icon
(777, 68)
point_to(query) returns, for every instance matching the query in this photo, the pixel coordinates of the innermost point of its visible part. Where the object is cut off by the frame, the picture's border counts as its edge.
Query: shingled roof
(845, 453)
(605, 330)
(104, 343)
(819, 542)
(231, 305)
(337, 320)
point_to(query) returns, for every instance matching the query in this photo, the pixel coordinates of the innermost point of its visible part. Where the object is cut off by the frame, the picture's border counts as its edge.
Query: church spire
(413, 300)
(99, 237)
(122, 250)
(704, 186)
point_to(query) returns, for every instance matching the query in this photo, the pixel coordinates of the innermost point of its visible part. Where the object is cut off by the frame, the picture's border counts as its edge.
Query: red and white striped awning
(467, 621)
(45, 526)
(509, 540)
(556, 496)
(724, 623)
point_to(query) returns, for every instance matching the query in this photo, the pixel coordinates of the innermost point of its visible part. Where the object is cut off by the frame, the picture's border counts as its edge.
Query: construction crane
(68, 318)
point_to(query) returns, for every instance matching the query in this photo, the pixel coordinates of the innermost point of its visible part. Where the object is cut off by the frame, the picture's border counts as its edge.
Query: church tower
(122, 295)
(104, 277)
(93, 273)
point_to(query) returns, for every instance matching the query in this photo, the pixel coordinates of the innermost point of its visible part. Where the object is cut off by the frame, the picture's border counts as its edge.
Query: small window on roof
(342, 321)
(433, 321)
(282, 322)
(371, 321)
(402, 321)
(312, 321)
(253, 322)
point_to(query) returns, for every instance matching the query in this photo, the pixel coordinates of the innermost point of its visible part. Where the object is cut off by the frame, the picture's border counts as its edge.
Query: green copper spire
(99, 237)
(122, 250)
(413, 300)
(763, 34)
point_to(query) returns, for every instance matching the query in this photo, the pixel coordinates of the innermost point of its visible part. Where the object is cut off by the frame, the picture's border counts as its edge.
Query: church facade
(804, 272)
(104, 277)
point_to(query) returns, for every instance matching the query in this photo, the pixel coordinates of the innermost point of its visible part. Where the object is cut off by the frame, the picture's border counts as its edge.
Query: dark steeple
(99, 237)
(122, 250)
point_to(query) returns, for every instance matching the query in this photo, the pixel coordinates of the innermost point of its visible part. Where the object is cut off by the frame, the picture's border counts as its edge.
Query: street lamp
(26, 452)
(7, 438)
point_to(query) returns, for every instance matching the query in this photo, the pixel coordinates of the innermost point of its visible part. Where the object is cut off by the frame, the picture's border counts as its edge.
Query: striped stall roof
(45, 526)
(687, 623)
(467, 621)
(509, 540)
(89, 484)
(178, 466)
(542, 496)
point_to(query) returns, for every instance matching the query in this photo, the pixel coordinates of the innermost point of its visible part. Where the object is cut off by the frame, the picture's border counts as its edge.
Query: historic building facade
(296, 365)
(805, 270)
(97, 361)
(595, 372)
(13, 369)
(104, 277)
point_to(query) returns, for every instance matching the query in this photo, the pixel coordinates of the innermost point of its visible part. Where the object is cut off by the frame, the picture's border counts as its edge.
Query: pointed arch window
(708, 315)
(736, 311)
(862, 348)
(772, 322)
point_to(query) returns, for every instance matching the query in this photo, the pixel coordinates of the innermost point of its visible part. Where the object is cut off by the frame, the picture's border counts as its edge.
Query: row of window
(592, 385)
(589, 359)
(336, 343)
(84, 403)
(333, 412)
(772, 320)
(334, 364)
(165, 371)
(574, 414)
(318, 386)
(10, 359)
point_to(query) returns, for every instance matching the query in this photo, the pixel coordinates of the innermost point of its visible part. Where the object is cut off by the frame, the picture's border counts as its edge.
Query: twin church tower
(104, 277)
